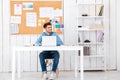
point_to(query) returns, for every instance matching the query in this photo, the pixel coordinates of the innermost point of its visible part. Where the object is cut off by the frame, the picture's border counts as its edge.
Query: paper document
(46, 12)
(14, 28)
(17, 9)
(58, 12)
(16, 19)
(27, 6)
(31, 19)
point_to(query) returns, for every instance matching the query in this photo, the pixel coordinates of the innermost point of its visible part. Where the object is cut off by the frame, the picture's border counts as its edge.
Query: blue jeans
(49, 55)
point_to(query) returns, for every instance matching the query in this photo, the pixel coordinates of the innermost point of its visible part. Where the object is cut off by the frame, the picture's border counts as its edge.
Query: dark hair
(46, 24)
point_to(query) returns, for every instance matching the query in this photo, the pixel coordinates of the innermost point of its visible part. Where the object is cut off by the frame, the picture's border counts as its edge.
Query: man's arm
(38, 42)
(59, 41)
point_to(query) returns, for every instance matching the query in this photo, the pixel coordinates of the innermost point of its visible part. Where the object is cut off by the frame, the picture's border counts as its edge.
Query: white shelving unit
(90, 30)
(90, 4)
(91, 43)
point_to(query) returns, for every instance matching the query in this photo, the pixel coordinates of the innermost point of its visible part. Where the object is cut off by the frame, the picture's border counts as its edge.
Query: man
(49, 54)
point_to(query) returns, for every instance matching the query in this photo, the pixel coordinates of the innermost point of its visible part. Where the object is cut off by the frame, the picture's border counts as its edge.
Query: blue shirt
(59, 41)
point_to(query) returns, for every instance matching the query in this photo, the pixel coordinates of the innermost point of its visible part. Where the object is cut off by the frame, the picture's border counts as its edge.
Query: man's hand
(34, 44)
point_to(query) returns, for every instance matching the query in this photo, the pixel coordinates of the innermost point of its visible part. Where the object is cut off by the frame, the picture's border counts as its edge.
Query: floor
(67, 75)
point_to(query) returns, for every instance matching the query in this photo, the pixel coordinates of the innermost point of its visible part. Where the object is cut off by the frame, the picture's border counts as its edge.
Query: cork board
(38, 29)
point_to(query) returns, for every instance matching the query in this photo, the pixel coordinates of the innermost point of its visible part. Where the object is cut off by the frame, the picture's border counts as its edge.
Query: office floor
(68, 75)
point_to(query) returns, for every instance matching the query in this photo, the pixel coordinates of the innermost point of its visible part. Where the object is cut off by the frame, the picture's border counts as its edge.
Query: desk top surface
(63, 47)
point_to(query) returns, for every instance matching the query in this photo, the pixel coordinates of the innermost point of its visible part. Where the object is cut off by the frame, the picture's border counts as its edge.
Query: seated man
(49, 54)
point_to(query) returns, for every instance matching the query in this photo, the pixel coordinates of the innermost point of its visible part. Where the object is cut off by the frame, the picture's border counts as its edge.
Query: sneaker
(45, 77)
(52, 76)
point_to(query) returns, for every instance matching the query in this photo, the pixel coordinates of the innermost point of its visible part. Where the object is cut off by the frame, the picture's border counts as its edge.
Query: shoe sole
(51, 79)
(46, 79)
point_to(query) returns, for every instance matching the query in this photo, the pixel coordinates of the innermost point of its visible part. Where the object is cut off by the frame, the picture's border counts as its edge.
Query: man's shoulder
(43, 34)
(54, 33)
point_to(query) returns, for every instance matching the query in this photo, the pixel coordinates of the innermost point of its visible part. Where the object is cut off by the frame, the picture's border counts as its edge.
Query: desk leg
(82, 65)
(76, 62)
(19, 66)
(13, 64)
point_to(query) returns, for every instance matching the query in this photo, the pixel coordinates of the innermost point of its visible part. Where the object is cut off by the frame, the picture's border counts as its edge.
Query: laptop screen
(48, 40)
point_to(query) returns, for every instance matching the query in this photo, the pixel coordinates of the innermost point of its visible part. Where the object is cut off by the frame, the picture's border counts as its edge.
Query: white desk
(39, 48)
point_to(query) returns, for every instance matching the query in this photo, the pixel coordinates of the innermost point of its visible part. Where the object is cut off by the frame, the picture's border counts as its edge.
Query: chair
(49, 62)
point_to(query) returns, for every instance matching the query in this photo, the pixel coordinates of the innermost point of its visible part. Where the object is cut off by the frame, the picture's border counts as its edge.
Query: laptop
(48, 40)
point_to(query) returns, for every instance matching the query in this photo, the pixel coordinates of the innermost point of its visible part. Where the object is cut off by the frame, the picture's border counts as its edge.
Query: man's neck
(48, 33)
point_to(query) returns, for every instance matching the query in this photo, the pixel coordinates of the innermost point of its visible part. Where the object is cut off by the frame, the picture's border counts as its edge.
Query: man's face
(48, 29)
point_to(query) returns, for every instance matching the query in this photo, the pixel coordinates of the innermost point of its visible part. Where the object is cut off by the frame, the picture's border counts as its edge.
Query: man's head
(48, 27)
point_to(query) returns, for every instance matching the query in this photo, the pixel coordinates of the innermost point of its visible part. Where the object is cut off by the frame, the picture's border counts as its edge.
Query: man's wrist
(34, 44)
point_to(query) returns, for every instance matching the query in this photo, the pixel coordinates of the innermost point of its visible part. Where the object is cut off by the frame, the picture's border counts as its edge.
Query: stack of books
(101, 11)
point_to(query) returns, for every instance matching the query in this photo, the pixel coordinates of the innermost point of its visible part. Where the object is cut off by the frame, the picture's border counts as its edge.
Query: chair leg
(57, 72)
(42, 75)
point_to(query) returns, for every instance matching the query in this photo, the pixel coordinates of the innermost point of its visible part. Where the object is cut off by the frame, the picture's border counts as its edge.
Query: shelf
(89, 17)
(86, 29)
(91, 43)
(90, 4)
(94, 56)
(94, 68)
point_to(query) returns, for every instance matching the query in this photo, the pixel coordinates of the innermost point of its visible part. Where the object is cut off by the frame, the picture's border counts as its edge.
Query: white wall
(6, 47)
(69, 31)
(118, 32)
(1, 36)
(112, 55)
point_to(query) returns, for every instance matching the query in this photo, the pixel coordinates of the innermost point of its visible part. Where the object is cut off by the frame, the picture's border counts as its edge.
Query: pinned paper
(14, 28)
(31, 19)
(27, 6)
(58, 12)
(43, 21)
(17, 9)
(39, 24)
(16, 19)
(61, 26)
(58, 30)
(57, 26)
(39, 20)
(46, 12)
